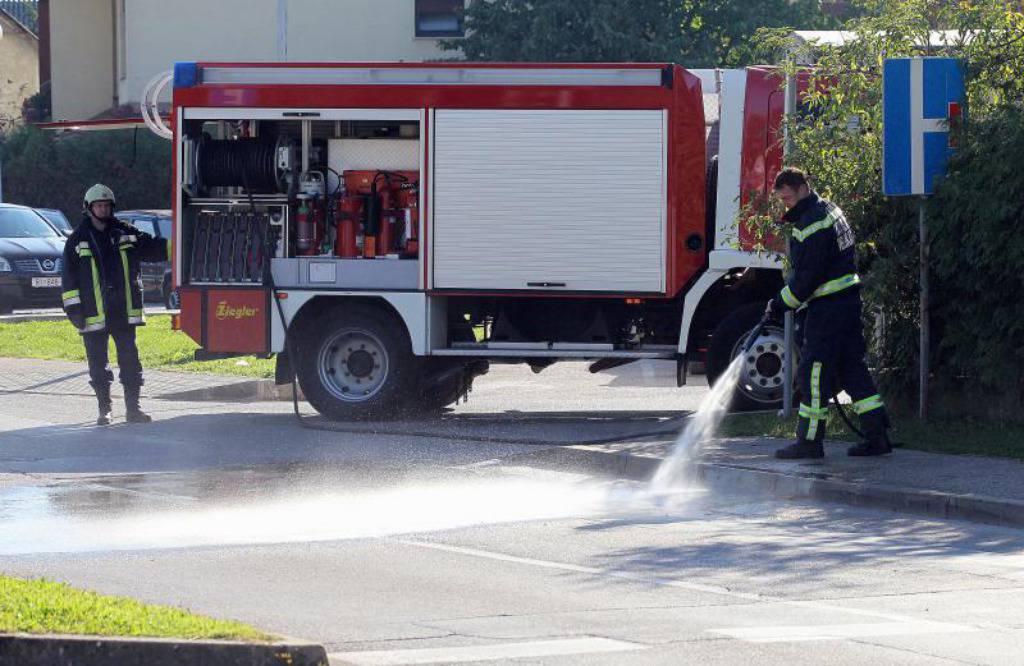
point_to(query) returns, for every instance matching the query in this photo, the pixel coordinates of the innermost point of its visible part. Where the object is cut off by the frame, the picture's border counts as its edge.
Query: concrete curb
(749, 480)
(48, 650)
(21, 319)
(263, 390)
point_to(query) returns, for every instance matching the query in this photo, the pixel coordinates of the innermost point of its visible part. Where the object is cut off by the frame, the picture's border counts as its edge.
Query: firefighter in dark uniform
(823, 282)
(103, 297)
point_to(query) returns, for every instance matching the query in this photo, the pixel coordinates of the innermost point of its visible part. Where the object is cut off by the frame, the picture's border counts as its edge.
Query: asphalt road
(451, 548)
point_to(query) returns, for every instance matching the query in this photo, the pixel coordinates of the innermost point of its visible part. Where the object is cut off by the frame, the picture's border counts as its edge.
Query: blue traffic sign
(920, 97)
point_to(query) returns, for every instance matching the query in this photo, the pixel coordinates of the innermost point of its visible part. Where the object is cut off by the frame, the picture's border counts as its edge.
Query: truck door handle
(545, 284)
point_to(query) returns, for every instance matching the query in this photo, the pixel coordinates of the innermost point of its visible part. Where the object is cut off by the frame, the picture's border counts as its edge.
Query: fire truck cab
(392, 229)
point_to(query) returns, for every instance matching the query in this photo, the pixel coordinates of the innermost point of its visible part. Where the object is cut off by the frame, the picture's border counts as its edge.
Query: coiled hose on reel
(245, 162)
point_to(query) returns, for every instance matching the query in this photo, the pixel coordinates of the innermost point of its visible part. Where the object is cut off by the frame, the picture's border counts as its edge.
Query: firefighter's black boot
(131, 402)
(801, 449)
(875, 426)
(105, 416)
(879, 445)
(876, 444)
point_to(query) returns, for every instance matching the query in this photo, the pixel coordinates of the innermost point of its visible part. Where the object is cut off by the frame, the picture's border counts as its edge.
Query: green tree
(977, 313)
(695, 33)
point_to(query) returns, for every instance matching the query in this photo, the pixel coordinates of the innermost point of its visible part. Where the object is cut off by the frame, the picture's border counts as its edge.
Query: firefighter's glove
(774, 310)
(75, 316)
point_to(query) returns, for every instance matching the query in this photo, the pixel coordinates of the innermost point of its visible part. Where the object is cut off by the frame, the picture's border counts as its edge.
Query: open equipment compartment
(268, 199)
(345, 189)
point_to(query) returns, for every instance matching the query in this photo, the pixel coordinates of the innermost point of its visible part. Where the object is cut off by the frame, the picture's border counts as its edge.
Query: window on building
(439, 18)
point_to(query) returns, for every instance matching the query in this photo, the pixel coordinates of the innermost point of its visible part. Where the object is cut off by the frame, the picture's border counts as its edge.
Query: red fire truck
(392, 229)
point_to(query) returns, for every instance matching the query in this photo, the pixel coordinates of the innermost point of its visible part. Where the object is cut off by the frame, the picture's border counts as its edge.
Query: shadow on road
(820, 541)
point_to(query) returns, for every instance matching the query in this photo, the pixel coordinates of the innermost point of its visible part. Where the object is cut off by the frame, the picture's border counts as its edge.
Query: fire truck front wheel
(357, 363)
(760, 384)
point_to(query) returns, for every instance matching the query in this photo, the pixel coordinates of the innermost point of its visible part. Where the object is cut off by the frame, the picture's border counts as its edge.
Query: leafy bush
(977, 261)
(45, 169)
(38, 107)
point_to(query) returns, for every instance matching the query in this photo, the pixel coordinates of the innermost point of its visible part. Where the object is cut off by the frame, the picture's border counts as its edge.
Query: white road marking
(460, 654)
(1008, 566)
(669, 582)
(830, 632)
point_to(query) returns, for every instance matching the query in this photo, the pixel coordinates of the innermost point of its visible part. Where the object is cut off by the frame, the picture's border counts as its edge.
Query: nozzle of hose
(755, 333)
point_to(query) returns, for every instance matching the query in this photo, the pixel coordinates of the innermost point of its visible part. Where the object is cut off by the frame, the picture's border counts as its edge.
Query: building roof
(937, 39)
(24, 13)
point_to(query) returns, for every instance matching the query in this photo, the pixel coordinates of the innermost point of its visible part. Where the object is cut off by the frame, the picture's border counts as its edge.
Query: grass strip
(962, 436)
(46, 607)
(160, 348)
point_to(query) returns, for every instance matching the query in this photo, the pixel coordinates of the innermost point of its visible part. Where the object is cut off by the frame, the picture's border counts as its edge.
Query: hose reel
(258, 165)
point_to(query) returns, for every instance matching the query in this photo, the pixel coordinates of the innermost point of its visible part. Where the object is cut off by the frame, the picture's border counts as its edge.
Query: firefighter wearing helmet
(103, 296)
(823, 284)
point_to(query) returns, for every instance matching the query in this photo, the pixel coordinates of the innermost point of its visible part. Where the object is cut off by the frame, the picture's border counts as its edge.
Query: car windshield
(22, 223)
(56, 218)
(165, 227)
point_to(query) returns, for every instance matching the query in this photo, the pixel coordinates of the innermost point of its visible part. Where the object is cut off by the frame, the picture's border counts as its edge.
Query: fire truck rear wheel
(760, 384)
(357, 363)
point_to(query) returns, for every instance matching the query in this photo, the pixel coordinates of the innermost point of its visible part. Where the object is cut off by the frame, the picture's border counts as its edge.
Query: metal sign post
(919, 98)
(925, 324)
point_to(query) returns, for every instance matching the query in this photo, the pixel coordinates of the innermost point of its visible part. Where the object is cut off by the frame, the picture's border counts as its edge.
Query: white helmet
(98, 192)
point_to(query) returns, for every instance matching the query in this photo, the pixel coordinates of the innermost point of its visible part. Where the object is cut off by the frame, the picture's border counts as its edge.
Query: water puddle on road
(58, 518)
(328, 517)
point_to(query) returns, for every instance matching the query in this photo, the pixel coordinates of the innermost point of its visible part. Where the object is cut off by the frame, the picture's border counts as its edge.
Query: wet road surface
(446, 547)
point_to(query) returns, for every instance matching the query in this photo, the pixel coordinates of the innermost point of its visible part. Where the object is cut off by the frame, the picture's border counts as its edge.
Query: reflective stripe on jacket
(86, 286)
(821, 252)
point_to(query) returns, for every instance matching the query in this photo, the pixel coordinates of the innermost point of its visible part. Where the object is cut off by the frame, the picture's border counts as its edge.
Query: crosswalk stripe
(828, 632)
(465, 653)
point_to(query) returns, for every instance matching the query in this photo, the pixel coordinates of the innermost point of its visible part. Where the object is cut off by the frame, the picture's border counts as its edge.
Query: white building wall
(266, 30)
(19, 69)
(158, 34)
(141, 38)
(357, 30)
(82, 58)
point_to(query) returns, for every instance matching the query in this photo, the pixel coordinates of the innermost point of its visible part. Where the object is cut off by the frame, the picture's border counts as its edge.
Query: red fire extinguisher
(350, 209)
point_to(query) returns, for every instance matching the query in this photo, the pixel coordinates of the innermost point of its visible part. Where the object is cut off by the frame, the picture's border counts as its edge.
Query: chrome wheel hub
(761, 378)
(353, 365)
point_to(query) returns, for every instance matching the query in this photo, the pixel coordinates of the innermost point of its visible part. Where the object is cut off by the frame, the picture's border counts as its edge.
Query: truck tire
(357, 363)
(760, 385)
(435, 397)
(171, 299)
(445, 380)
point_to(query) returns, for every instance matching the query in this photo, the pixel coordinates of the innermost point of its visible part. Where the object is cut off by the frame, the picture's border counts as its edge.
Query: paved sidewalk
(950, 486)
(69, 378)
(56, 314)
(18, 375)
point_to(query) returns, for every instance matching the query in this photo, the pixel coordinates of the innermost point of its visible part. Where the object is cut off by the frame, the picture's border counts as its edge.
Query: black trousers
(832, 360)
(96, 345)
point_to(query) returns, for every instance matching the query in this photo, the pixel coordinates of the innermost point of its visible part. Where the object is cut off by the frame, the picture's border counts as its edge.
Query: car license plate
(46, 282)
